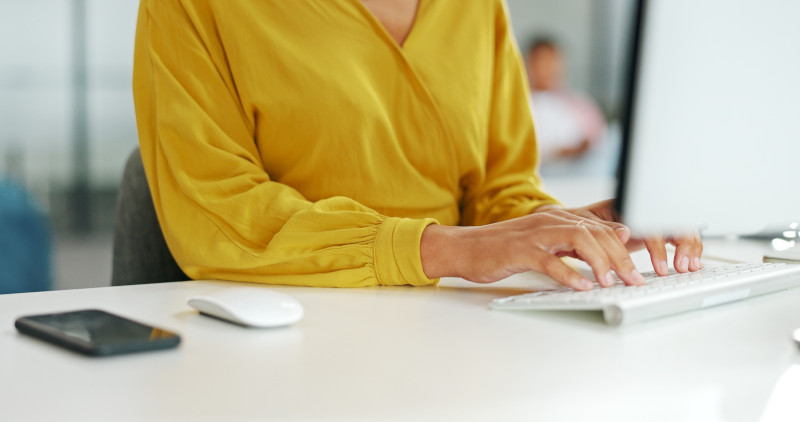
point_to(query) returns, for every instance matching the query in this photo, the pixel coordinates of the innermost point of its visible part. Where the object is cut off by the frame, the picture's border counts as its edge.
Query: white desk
(401, 354)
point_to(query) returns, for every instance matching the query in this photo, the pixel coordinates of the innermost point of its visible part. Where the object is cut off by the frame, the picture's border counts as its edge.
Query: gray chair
(141, 254)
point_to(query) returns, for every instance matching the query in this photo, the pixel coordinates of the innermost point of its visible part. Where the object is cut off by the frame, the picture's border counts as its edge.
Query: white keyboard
(662, 296)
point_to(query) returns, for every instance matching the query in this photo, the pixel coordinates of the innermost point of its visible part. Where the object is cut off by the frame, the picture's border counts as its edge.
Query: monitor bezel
(631, 84)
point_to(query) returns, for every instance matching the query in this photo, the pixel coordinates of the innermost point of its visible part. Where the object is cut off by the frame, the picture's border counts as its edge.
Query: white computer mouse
(249, 306)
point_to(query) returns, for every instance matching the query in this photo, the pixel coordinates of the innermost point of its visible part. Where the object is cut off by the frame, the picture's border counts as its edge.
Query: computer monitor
(711, 131)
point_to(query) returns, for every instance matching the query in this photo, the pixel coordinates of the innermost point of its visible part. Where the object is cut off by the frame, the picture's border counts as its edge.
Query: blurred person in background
(568, 123)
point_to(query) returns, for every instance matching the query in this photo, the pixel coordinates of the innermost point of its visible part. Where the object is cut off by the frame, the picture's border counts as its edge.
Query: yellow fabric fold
(400, 235)
(290, 142)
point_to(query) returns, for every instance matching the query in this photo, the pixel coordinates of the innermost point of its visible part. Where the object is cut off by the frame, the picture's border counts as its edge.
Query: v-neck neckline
(369, 16)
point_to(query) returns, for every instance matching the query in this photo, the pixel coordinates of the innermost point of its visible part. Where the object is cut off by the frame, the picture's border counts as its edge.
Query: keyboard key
(677, 292)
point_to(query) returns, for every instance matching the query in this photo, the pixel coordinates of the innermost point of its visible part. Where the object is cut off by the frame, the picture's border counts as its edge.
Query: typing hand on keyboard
(663, 295)
(535, 242)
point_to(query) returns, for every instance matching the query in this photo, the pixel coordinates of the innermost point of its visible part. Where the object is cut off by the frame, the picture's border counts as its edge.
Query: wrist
(437, 251)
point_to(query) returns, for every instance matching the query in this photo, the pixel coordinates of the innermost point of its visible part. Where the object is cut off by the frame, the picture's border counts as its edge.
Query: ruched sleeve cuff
(397, 252)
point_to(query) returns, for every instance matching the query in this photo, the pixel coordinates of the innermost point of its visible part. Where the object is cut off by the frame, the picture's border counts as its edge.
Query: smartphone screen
(97, 333)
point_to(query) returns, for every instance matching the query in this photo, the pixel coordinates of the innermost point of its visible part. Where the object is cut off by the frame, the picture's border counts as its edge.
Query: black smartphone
(96, 333)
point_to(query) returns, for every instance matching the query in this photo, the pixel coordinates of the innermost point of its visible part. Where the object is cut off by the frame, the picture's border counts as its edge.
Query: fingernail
(696, 264)
(662, 267)
(684, 263)
(609, 279)
(585, 284)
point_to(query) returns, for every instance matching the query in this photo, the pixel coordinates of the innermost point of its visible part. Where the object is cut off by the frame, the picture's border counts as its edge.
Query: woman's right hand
(485, 254)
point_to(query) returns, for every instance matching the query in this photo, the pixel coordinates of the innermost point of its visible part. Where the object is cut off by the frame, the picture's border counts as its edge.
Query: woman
(355, 143)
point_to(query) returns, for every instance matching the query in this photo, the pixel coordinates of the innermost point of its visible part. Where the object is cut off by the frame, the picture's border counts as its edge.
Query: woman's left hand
(688, 247)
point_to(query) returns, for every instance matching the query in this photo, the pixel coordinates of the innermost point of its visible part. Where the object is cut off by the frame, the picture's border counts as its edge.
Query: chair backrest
(141, 254)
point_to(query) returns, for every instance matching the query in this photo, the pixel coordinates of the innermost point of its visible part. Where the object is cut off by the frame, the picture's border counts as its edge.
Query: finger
(688, 250)
(622, 231)
(619, 257)
(567, 217)
(584, 234)
(606, 219)
(598, 245)
(603, 209)
(634, 244)
(559, 271)
(589, 250)
(658, 254)
(695, 262)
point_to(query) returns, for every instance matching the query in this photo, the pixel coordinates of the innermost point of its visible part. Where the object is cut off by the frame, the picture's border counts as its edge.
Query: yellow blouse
(295, 142)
